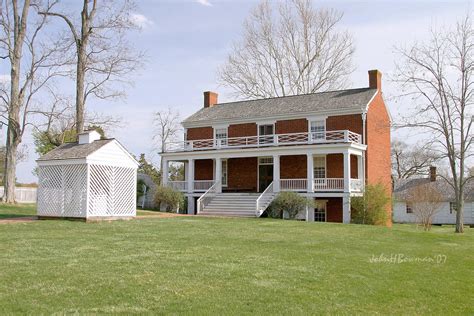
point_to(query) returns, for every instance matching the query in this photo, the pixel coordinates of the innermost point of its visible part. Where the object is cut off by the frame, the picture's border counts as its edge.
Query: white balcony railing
(202, 185)
(329, 184)
(178, 185)
(297, 185)
(198, 185)
(344, 136)
(356, 185)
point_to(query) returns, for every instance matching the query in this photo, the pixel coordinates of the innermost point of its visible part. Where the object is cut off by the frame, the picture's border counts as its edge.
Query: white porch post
(218, 174)
(164, 173)
(190, 204)
(360, 168)
(190, 175)
(276, 173)
(347, 171)
(310, 212)
(310, 173)
(346, 209)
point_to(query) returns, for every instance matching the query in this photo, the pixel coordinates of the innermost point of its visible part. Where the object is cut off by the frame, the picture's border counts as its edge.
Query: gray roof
(352, 99)
(74, 150)
(401, 188)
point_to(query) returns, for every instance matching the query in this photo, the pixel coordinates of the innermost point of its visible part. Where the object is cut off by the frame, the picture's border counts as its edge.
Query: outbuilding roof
(350, 100)
(402, 187)
(75, 150)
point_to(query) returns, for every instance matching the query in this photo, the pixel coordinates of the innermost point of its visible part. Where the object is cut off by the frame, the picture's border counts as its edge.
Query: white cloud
(140, 20)
(4, 78)
(204, 2)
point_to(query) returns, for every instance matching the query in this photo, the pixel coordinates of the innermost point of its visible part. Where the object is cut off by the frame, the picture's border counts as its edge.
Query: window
(221, 136)
(452, 208)
(320, 211)
(224, 173)
(318, 129)
(265, 133)
(409, 208)
(265, 161)
(319, 167)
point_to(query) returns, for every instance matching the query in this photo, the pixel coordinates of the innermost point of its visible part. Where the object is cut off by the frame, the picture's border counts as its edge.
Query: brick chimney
(432, 174)
(375, 79)
(210, 99)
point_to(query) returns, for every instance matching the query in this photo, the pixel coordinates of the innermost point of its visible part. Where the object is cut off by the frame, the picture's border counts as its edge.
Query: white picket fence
(23, 194)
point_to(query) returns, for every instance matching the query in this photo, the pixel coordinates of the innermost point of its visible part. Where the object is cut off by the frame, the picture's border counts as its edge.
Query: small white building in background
(92, 178)
(402, 211)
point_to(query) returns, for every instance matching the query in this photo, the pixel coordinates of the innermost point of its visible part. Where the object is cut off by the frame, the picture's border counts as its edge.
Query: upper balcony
(327, 137)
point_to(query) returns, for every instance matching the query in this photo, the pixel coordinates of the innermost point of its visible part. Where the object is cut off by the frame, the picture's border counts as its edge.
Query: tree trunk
(459, 216)
(14, 131)
(81, 60)
(10, 171)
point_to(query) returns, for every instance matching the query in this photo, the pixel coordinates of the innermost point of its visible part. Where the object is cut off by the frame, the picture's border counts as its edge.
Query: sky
(185, 41)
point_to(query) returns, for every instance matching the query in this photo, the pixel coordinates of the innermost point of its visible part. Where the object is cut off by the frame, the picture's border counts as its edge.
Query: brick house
(325, 146)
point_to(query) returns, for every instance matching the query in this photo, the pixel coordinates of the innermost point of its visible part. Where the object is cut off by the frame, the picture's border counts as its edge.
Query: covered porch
(310, 173)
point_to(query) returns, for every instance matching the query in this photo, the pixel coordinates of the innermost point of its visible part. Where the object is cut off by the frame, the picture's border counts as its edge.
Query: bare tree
(103, 57)
(56, 125)
(300, 50)
(410, 160)
(425, 201)
(437, 76)
(167, 129)
(34, 60)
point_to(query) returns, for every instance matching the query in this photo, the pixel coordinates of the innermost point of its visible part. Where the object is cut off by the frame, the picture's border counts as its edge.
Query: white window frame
(258, 132)
(221, 141)
(408, 206)
(325, 204)
(310, 125)
(325, 166)
(452, 208)
(225, 173)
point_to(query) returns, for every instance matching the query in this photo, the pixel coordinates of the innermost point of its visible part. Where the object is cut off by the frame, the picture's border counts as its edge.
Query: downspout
(364, 118)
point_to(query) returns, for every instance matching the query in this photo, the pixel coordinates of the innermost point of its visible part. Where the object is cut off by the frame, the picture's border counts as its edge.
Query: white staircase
(235, 204)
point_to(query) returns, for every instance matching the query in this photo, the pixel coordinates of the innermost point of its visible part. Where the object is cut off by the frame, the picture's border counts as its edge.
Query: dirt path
(12, 220)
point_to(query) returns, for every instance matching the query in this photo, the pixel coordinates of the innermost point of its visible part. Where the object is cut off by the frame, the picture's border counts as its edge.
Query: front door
(265, 176)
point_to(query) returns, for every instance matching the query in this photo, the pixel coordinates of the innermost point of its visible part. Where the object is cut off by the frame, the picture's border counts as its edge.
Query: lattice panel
(62, 190)
(112, 191)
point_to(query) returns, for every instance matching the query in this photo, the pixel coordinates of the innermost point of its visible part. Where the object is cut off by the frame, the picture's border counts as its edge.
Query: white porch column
(347, 171)
(360, 168)
(191, 205)
(164, 173)
(190, 175)
(346, 210)
(310, 212)
(276, 173)
(218, 174)
(310, 173)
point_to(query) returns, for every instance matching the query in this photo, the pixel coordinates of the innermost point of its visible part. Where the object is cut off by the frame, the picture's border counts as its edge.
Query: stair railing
(207, 197)
(264, 200)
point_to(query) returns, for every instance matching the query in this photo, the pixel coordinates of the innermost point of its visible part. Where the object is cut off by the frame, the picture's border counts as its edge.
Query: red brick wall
(335, 166)
(242, 173)
(200, 133)
(351, 122)
(291, 126)
(378, 146)
(203, 169)
(293, 167)
(242, 130)
(333, 209)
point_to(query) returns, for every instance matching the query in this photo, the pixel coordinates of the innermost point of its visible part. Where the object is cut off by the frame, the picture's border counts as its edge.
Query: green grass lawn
(19, 210)
(198, 265)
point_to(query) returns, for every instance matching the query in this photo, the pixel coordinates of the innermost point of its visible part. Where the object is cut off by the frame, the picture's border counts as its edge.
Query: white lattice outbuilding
(91, 178)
